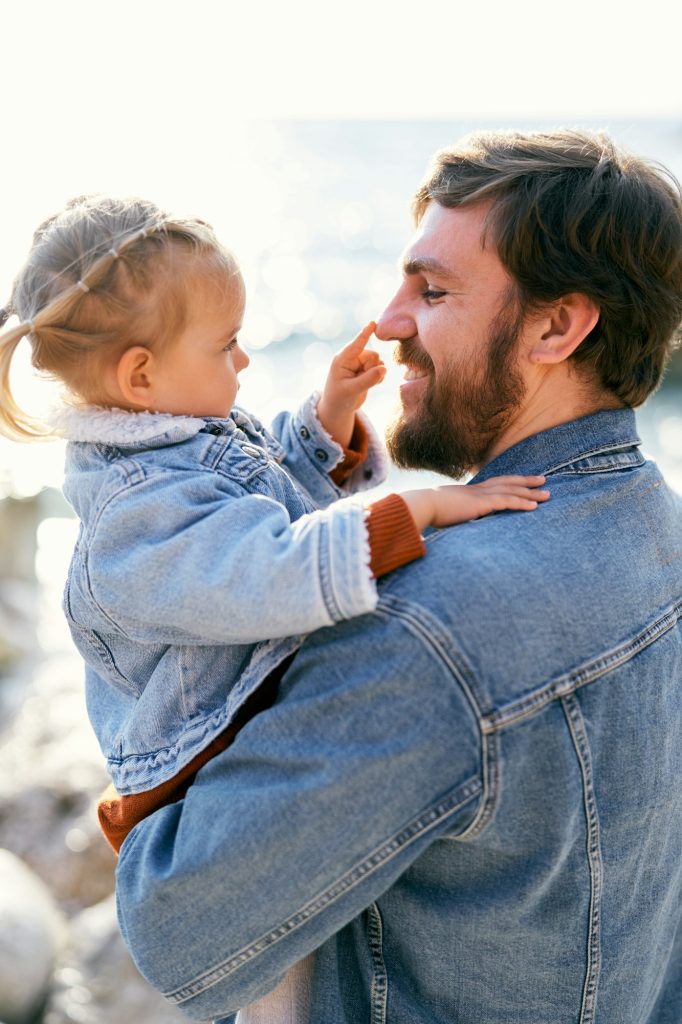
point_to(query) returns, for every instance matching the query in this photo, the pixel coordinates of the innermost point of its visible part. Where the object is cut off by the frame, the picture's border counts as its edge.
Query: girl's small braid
(114, 253)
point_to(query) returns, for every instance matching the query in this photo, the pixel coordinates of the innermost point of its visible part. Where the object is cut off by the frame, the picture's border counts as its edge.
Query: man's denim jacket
(191, 548)
(470, 799)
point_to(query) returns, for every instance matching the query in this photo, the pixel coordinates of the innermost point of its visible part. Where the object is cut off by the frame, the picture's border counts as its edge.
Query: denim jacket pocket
(95, 652)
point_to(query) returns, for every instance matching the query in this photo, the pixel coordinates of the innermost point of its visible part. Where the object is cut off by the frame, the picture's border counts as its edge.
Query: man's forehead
(448, 242)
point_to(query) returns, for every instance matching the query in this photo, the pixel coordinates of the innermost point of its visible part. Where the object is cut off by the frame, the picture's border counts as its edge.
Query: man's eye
(432, 293)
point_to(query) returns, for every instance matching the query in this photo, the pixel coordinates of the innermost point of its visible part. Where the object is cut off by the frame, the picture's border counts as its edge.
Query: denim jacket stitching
(241, 471)
(576, 725)
(326, 583)
(490, 765)
(379, 987)
(423, 824)
(428, 629)
(432, 633)
(91, 533)
(582, 675)
(98, 645)
(608, 467)
(602, 449)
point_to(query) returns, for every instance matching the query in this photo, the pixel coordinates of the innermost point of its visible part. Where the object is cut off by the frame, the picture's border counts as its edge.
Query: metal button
(368, 474)
(215, 430)
(321, 454)
(248, 449)
(304, 433)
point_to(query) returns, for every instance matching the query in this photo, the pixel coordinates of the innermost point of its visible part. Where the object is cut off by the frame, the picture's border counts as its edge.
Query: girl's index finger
(360, 340)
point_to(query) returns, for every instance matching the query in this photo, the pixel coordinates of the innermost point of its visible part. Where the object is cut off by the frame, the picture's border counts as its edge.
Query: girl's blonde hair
(102, 275)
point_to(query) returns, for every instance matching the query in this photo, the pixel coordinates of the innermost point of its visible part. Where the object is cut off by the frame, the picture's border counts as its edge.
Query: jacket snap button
(250, 450)
(321, 454)
(305, 433)
(215, 430)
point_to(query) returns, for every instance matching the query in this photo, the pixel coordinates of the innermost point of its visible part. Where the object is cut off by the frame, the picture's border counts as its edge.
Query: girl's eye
(230, 345)
(432, 293)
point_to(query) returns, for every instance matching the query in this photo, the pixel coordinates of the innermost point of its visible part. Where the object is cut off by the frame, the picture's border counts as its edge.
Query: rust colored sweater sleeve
(353, 455)
(394, 538)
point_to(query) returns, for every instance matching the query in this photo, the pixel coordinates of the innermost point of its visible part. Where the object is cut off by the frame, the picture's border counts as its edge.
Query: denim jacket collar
(549, 451)
(122, 428)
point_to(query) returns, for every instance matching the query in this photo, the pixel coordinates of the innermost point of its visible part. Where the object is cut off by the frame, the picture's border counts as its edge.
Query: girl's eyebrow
(427, 265)
(232, 333)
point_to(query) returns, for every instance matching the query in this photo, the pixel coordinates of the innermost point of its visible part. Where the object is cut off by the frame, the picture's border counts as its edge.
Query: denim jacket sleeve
(311, 454)
(188, 558)
(342, 784)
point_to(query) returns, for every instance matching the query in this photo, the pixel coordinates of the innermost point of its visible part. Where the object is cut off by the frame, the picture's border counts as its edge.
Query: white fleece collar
(97, 425)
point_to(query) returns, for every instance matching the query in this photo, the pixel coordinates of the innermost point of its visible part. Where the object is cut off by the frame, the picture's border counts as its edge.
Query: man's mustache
(410, 353)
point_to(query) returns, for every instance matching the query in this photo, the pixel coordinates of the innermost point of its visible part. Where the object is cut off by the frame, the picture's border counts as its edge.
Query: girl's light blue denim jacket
(468, 801)
(192, 547)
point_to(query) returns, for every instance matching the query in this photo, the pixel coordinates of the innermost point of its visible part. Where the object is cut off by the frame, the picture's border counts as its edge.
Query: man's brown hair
(570, 212)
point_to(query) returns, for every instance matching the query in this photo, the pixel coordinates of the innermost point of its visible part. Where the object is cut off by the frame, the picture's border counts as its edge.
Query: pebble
(31, 933)
(96, 981)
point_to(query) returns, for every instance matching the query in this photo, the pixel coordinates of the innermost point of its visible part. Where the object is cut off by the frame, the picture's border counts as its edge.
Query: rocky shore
(62, 960)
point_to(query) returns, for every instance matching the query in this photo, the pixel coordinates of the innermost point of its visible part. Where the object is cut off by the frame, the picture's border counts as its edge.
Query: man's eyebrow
(427, 265)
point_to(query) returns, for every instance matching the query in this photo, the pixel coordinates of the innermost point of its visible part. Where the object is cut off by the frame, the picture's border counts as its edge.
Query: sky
(159, 65)
(147, 95)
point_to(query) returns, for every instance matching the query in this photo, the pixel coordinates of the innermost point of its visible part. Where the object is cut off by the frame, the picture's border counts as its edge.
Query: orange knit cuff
(394, 538)
(353, 455)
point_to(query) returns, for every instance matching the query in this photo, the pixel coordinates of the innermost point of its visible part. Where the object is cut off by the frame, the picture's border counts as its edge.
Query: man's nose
(396, 322)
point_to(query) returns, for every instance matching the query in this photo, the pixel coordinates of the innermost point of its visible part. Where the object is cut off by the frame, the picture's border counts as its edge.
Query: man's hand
(458, 503)
(354, 370)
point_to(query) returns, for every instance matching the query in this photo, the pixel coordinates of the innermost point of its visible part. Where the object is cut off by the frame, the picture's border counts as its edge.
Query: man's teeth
(411, 374)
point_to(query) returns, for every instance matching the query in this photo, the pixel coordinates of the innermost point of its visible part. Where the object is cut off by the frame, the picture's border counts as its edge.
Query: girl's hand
(354, 370)
(458, 503)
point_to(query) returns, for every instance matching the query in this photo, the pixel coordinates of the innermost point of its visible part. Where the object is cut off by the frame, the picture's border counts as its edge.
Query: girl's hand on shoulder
(458, 503)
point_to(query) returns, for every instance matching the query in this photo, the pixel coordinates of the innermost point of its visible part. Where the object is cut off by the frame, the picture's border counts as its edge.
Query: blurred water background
(317, 213)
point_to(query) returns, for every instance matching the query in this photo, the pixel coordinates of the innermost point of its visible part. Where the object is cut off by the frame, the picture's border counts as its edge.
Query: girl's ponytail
(15, 424)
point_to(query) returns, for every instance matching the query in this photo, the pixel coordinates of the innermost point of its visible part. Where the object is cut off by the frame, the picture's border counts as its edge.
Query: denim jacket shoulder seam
(462, 672)
(611, 467)
(602, 449)
(582, 675)
(427, 820)
(428, 631)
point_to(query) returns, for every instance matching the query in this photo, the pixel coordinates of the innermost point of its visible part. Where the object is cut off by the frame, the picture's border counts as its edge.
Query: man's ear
(563, 328)
(134, 376)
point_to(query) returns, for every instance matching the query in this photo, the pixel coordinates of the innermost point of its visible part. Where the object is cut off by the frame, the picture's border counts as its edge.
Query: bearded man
(469, 803)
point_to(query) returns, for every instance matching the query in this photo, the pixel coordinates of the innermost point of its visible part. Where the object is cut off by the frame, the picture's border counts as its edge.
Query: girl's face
(196, 375)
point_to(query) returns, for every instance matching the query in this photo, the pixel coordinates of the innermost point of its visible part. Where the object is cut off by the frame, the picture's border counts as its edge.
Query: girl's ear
(134, 375)
(563, 329)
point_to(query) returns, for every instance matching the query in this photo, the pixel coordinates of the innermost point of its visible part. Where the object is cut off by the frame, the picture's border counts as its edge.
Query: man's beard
(465, 410)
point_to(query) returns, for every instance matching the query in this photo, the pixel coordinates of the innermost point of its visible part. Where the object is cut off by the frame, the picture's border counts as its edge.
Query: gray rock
(51, 773)
(31, 932)
(96, 982)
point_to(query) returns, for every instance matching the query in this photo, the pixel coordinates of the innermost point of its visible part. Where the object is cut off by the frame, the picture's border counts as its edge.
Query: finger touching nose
(394, 324)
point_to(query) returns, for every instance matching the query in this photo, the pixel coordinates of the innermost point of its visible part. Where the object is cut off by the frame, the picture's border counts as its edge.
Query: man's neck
(559, 398)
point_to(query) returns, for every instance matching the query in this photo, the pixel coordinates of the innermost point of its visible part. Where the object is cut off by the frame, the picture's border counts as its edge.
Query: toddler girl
(208, 545)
